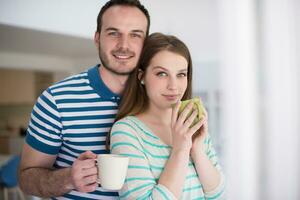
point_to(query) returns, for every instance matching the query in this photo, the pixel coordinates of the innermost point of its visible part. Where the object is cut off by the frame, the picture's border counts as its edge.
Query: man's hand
(38, 177)
(84, 172)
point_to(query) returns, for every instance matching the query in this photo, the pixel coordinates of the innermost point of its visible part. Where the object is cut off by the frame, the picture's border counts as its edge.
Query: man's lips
(122, 57)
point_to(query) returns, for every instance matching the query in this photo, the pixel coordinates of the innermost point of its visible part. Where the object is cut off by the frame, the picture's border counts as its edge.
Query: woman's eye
(182, 75)
(161, 74)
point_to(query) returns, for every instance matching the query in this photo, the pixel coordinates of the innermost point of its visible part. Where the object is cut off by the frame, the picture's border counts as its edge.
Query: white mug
(112, 169)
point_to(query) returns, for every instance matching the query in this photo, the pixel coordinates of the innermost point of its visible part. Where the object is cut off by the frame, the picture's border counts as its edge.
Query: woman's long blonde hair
(134, 99)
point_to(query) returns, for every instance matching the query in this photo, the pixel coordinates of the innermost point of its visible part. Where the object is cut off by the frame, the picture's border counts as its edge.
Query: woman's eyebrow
(160, 67)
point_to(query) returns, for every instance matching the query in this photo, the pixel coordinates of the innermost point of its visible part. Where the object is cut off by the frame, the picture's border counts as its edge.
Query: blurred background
(246, 57)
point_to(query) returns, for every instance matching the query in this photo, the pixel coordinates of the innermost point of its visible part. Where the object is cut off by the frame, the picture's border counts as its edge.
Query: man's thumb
(87, 155)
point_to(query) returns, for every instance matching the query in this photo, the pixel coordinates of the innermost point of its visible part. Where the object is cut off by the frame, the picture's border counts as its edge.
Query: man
(71, 119)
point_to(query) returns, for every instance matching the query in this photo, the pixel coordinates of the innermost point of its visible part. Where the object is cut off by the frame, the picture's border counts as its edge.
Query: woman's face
(166, 79)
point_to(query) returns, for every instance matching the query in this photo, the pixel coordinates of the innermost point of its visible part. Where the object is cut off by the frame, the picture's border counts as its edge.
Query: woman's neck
(157, 115)
(159, 122)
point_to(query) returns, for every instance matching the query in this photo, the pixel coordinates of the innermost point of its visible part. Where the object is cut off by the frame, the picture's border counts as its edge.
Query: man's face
(121, 38)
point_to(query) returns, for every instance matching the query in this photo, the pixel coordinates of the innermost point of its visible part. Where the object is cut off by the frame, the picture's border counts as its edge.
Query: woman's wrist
(198, 152)
(180, 153)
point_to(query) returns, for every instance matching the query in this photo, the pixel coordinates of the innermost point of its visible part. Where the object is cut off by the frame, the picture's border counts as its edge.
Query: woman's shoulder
(125, 128)
(128, 121)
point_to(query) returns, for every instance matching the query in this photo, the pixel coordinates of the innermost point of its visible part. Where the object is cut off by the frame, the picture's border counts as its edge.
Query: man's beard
(105, 64)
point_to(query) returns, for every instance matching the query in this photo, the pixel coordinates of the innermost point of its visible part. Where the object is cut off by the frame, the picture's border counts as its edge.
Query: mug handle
(98, 180)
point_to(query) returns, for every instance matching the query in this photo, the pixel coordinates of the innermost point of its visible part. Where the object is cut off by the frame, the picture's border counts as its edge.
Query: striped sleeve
(44, 130)
(140, 182)
(219, 192)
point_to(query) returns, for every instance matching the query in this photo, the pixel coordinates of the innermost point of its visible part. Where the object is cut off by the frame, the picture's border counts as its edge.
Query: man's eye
(135, 35)
(113, 33)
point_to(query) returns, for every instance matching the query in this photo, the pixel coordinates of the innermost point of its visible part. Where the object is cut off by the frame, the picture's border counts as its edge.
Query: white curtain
(260, 98)
(281, 99)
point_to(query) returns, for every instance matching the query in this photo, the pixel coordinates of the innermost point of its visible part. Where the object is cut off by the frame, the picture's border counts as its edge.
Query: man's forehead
(124, 17)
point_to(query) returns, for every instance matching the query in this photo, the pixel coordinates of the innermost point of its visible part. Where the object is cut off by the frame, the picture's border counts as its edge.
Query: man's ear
(97, 39)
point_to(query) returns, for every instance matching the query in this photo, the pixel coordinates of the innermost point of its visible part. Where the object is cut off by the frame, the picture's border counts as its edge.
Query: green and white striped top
(148, 156)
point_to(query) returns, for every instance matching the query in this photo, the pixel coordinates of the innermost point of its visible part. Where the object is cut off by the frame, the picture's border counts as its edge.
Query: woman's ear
(141, 76)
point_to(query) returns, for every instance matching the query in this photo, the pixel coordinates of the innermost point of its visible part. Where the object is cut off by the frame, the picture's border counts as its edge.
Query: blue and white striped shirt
(71, 117)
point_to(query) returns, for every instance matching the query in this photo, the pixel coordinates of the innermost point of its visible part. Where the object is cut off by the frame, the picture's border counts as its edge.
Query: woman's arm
(174, 174)
(209, 176)
(140, 182)
(206, 163)
(175, 171)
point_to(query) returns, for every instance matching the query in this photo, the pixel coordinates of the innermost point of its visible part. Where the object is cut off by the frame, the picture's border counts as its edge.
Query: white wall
(281, 97)
(193, 21)
(71, 17)
(37, 62)
(297, 8)
(260, 81)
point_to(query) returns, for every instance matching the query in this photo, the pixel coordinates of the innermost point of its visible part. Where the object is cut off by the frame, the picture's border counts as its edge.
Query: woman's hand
(198, 145)
(181, 131)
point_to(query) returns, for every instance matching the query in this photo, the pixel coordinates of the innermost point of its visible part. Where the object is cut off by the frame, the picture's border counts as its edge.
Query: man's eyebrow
(111, 29)
(134, 31)
(138, 31)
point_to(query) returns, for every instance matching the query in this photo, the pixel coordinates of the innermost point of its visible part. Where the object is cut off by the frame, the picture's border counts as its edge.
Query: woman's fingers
(190, 120)
(175, 113)
(205, 113)
(183, 116)
(196, 127)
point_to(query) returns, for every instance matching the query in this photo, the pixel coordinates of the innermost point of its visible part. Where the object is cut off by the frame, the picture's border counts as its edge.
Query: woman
(169, 158)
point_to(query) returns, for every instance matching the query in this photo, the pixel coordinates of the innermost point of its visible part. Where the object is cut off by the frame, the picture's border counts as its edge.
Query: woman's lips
(171, 97)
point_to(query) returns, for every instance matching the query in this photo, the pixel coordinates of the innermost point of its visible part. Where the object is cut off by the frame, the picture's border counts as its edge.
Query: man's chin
(119, 72)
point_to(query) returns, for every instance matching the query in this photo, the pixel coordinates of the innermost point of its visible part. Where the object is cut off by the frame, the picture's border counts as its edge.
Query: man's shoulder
(77, 82)
(71, 80)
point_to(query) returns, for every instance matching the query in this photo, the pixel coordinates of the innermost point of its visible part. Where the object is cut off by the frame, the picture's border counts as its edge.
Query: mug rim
(112, 155)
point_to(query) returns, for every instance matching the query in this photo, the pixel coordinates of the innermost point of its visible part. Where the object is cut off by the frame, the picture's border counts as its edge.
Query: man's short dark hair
(133, 3)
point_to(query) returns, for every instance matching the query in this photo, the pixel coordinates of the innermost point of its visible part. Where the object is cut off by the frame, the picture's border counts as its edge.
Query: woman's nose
(172, 84)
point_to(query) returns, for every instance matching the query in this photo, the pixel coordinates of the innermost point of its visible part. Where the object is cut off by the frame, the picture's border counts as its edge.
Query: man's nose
(123, 42)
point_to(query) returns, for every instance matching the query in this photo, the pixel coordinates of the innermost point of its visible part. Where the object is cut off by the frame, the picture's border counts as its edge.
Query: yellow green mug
(197, 106)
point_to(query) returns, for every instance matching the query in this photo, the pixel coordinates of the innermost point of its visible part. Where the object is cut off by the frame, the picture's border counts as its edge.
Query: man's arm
(37, 176)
